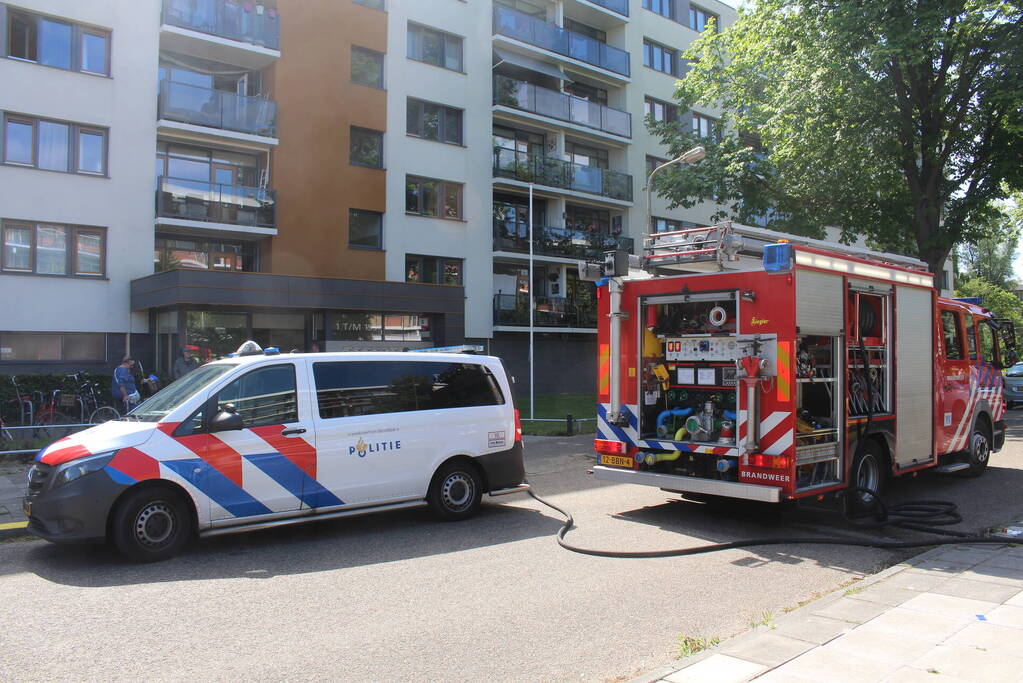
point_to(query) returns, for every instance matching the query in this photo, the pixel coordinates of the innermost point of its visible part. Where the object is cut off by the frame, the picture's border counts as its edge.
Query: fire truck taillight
(609, 447)
(773, 462)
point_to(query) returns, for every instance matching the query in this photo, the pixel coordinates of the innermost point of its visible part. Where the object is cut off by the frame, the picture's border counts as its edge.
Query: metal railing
(217, 109)
(234, 20)
(551, 241)
(513, 310)
(521, 26)
(542, 170)
(216, 203)
(510, 92)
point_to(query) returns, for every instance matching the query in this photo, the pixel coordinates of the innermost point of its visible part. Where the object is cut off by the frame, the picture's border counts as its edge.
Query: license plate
(616, 460)
(26, 505)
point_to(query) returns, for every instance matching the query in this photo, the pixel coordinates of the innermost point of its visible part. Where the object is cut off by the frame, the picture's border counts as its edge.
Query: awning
(529, 63)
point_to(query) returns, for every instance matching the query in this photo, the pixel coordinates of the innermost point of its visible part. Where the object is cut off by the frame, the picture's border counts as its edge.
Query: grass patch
(557, 407)
(765, 619)
(690, 645)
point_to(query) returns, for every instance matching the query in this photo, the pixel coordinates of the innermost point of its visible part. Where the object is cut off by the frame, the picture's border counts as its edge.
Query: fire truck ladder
(726, 242)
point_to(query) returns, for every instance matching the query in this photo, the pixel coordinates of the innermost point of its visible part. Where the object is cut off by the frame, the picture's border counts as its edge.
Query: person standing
(123, 385)
(184, 364)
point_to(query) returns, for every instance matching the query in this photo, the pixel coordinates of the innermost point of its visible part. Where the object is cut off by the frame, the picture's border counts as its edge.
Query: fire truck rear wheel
(868, 472)
(980, 449)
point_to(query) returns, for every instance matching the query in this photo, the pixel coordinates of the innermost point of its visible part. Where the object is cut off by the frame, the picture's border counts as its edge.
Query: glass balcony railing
(217, 109)
(562, 106)
(535, 168)
(529, 29)
(215, 203)
(619, 6)
(513, 310)
(549, 241)
(243, 21)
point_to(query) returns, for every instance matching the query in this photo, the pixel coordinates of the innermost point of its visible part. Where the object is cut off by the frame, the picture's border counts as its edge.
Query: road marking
(13, 525)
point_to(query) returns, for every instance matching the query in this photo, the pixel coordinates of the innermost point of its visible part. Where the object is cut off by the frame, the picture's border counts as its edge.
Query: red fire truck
(787, 368)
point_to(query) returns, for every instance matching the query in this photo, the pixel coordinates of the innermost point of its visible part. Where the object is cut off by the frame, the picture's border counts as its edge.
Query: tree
(1002, 303)
(901, 121)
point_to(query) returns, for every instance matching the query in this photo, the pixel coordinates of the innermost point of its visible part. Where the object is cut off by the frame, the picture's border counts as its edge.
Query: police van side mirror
(226, 421)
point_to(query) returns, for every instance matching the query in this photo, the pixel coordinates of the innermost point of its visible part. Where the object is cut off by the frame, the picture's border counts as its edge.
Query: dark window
(585, 30)
(57, 43)
(52, 249)
(950, 326)
(434, 121)
(433, 269)
(366, 147)
(365, 229)
(659, 111)
(345, 389)
(434, 47)
(659, 58)
(704, 126)
(35, 346)
(987, 342)
(367, 67)
(587, 92)
(666, 8)
(699, 18)
(971, 337)
(54, 145)
(188, 252)
(265, 396)
(430, 197)
(669, 225)
(652, 163)
(586, 155)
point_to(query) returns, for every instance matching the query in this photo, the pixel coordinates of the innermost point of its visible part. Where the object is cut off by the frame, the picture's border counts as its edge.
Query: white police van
(268, 439)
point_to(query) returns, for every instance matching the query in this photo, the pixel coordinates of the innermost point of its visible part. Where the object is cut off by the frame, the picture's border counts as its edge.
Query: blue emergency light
(778, 257)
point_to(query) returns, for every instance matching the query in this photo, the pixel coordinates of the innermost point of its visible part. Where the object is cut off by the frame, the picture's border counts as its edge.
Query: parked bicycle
(49, 418)
(90, 409)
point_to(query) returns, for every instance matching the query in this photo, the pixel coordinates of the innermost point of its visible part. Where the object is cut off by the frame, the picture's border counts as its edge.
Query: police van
(267, 439)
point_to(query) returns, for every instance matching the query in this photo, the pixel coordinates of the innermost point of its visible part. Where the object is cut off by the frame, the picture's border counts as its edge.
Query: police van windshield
(170, 397)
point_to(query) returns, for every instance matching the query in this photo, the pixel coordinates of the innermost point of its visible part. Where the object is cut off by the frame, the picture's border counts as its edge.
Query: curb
(13, 530)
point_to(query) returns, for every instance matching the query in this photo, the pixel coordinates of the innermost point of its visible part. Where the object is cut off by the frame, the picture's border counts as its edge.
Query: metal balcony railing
(535, 168)
(521, 26)
(513, 310)
(241, 21)
(619, 6)
(216, 203)
(550, 241)
(562, 106)
(217, 109)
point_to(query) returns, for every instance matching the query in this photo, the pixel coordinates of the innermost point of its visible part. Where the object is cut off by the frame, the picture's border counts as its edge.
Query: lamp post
(691, 157)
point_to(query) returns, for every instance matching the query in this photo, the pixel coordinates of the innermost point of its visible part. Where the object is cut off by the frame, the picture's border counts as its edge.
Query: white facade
(121, 201)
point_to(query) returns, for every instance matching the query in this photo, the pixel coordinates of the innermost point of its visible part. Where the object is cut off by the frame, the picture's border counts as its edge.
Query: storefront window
(286, 331)
(215, 334)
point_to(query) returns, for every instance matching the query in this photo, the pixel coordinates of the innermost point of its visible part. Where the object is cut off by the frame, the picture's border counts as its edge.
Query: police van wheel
(980, 449)
(455, 491)
(151, 524)
(868, 472)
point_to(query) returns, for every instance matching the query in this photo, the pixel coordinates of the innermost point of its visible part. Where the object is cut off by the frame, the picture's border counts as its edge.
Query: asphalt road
(400, 597)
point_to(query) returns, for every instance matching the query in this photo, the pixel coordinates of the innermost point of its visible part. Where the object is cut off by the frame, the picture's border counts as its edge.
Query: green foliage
(1003, 303)
(690, 645)
(899, 121)
(556, 407)
(992, 257)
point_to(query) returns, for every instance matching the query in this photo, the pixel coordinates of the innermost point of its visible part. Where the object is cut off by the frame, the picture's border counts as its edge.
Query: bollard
(570, 422)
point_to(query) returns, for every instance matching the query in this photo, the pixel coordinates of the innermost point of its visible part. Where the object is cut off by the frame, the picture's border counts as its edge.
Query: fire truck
(746, 363)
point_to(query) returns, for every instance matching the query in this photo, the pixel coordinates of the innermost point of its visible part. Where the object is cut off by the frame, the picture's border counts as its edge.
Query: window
(585, 30)
(374, 326)
(666, 8)
(434, 121)
(57, 43)
(265, 396)
(434, 47)
(375, 4)
(54, 145)
(652, 163)
(586, 155)
(669, 225)
(344, 389)
(659, 111)
(704, 126)
(429, 197)
(366, 147)
(950, 325)
(433, 269)
(51, 249)
(367, 67)
(971, 338)
(365, 229)
(987, 342)
(56, 346)
(189, 252)
(699, 18)
(659, 58)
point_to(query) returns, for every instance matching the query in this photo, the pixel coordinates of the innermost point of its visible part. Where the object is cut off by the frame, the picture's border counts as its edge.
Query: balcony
(534, 168)
(232, 20)
(619, 6)
(513, 310)
(236, 205)
(548, 241)
(217, 109)
(522, 27)
(531, 98)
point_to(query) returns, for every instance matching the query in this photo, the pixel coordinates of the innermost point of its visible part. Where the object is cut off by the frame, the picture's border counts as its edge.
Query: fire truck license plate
(616, 460)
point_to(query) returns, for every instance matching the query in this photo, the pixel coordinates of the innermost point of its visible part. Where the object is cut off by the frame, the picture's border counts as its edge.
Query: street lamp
(691, 157)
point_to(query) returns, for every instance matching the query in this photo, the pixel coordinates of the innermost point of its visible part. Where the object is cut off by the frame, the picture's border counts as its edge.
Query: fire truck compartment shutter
(870, 286)
(914, 390)
(818, 303)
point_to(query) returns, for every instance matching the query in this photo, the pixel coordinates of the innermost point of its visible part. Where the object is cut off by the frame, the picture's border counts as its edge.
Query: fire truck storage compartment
(869, 353)
(818, 411)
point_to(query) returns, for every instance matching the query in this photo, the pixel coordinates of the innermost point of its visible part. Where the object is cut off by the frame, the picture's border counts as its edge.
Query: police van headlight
(76, 469)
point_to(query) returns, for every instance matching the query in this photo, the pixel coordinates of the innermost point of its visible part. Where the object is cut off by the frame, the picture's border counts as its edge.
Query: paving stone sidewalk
(954, 613)
(12, 491)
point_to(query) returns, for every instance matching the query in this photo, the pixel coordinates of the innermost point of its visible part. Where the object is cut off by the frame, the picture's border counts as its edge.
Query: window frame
(671, 5)
(443, 36)
(442, 127)
(71, 256)
(214, 400)
(649, 46)
(379, 134)
(670, 110)
(441, 192)
(696, 118)
(75, 132)
(439, 262)
(695, 10)
(78, 32)
(376, 54)
(379, 233)
(947, 314)
(63, 358)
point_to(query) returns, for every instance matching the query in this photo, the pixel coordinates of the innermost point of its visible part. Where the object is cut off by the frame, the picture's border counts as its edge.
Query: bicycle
(89, 403)
(49, 419)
